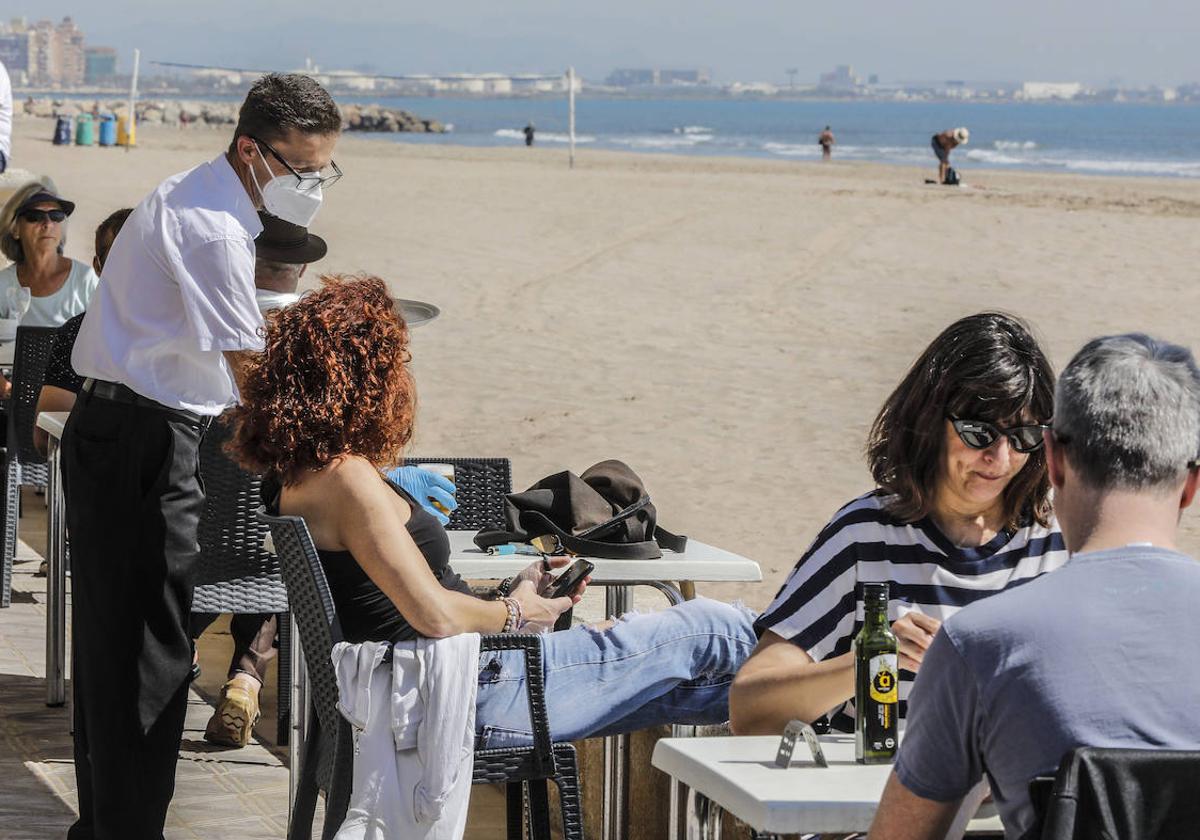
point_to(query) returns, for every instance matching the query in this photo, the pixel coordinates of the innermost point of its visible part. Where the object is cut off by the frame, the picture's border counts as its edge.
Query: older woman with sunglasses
(32, 235)
(961, 511)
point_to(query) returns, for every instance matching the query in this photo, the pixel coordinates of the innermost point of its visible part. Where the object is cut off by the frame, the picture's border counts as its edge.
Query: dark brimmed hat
(605, 512)
(287, 243)
(68, 207)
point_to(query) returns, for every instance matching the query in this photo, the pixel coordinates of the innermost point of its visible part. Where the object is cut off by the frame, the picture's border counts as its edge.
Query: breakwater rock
(186, 113)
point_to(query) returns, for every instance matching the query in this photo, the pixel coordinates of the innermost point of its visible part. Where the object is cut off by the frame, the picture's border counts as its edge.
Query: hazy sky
(1096, 41)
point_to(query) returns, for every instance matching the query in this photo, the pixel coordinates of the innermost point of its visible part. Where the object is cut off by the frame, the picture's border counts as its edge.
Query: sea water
(1096, 138)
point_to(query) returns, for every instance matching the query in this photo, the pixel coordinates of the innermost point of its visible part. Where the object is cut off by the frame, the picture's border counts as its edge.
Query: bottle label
(884, 678)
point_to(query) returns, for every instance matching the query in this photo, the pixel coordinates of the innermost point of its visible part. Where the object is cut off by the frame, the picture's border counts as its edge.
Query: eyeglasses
(979, 434)
(306, 181)
(36, 216)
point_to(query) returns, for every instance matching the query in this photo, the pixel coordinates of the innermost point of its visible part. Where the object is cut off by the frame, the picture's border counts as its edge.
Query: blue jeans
(671, 666)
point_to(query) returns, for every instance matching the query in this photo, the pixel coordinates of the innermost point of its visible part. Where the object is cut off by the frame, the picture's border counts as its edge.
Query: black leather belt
(116, 392)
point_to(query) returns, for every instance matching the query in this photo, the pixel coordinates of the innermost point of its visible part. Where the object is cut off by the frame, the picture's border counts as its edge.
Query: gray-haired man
(1085, 655)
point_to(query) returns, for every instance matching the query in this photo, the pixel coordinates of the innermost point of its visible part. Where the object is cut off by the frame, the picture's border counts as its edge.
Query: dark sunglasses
(305, 182)
(36, 216)
(979, 434)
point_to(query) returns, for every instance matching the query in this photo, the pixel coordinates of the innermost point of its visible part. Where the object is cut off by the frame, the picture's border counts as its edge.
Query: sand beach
(728, 327)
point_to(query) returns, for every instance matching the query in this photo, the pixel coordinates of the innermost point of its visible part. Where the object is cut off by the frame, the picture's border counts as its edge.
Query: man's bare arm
(903, 815)
(239, 361)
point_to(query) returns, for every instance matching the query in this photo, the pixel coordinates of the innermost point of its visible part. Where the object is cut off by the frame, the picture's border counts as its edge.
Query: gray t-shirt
(1098, 653)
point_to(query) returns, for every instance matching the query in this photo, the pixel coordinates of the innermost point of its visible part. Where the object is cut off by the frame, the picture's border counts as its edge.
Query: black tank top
(365, 613)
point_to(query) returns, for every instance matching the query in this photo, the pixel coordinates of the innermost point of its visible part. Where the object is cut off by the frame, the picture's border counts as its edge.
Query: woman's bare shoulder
(347, 478)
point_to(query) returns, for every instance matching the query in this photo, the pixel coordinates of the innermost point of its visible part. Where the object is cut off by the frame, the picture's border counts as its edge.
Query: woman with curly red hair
(328, 405)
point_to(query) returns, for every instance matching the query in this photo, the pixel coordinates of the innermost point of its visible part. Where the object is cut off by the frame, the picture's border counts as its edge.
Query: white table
(738, 775)
(8, 351)
(698, 562)
(53, 422)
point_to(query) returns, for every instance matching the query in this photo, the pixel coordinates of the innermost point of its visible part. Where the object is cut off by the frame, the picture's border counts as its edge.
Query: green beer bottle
(876, 682)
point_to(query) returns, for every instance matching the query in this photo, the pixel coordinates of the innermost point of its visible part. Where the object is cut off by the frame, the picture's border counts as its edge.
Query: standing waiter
(166, 338)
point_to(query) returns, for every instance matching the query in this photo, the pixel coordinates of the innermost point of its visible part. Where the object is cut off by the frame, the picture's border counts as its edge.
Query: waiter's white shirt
(177, 291)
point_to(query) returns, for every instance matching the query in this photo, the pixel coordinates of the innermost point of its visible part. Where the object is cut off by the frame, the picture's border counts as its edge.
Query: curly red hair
(332, 380)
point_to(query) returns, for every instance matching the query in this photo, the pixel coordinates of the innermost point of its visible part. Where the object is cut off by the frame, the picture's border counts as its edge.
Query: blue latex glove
(426, 487)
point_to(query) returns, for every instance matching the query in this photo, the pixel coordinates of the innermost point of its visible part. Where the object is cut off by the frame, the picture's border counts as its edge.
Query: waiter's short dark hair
(280, 102)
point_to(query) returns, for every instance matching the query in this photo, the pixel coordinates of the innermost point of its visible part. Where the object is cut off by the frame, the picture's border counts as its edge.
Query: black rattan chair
(327, 763)
(480, 485)
(23, 465)
(236, 574)
(1100, 792)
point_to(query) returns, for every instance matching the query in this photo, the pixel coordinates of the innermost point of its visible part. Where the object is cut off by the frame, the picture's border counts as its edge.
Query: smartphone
(568, 581)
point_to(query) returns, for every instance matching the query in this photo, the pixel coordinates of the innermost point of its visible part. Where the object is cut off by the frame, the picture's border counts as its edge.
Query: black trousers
(253, 640)
(131, 477)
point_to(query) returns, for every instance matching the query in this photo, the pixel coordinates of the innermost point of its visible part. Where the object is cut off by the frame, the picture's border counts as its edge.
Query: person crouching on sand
(943, 144)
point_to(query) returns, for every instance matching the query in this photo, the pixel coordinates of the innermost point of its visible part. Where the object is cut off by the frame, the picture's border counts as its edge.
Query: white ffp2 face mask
(283, 198)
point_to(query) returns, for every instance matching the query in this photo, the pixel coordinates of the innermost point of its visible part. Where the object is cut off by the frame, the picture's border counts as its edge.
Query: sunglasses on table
(36, 216)
(980, 434)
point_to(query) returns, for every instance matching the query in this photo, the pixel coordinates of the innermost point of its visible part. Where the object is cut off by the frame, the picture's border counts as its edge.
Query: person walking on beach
(6, 115)
(529, 129)
(826, 142)
(166, 338)
(943, 143)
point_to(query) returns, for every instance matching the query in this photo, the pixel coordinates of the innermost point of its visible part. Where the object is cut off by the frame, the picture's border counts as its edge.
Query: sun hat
(40, 196)
(962, 135)
(285, 242)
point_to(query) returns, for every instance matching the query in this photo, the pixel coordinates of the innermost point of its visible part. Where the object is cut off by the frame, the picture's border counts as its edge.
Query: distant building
(842, 78)
(700, 76)
(497, 84)
(43, 53)
(15, 42)
(752, 89)
(646, 77)
(349, 80)
(99, 65)
(1050, 90)
(628, 77)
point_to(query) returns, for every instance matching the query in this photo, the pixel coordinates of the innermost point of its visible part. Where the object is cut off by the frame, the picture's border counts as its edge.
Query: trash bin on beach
(84, 132)
(62, 131)
(108, 130)
(126, 134)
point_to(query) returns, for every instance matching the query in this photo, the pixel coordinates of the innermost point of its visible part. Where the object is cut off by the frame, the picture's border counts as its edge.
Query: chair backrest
(30, 355)
(480, 485)
(235, 573)
(312, 605)
(1100, 792)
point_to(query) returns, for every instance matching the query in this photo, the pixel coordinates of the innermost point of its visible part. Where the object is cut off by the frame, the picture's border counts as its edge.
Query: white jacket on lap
(414, 736)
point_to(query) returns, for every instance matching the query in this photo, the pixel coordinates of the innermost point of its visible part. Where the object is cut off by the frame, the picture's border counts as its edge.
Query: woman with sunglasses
(961, 511)
(32, 235)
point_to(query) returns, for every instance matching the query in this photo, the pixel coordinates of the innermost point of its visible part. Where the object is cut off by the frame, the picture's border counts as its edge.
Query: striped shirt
(820, 607)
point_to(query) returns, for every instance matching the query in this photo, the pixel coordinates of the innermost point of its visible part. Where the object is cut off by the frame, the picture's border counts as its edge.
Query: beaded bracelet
(513, 623)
